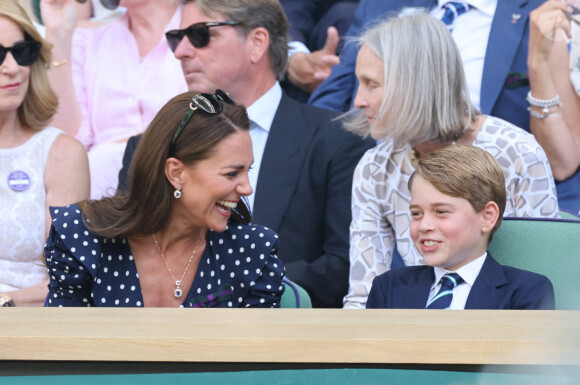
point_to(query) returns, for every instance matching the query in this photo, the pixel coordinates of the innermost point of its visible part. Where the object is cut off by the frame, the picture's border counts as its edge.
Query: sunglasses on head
(109, 4)
(211, 104)
(198, 34)
(25, 53)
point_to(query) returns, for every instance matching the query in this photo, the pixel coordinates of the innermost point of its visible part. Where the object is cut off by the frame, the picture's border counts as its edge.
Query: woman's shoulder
(251, 234)
(502, 135)
(69, 223)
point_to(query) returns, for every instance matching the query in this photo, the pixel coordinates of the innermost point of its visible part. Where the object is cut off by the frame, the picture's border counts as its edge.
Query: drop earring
(177, 193)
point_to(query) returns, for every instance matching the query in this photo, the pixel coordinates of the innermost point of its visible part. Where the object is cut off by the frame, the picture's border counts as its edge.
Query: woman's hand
(59, 17)
(548, 24)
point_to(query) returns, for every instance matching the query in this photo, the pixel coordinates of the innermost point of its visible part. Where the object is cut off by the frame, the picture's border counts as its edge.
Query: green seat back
(294, 296)
(546, 246)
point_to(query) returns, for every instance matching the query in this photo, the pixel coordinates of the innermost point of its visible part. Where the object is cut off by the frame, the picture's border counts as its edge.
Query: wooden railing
(478, 337)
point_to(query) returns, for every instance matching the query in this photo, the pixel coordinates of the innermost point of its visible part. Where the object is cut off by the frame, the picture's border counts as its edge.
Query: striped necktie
(443, 298)
(453, 9)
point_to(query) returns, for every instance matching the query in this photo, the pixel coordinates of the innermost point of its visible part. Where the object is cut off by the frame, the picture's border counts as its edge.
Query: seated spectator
(555, 93)
(303, 158)
(111, 80)
(414, 99)
(39, 165)
(495, 66)
(457, 201)
(180, 235)
(315, 27)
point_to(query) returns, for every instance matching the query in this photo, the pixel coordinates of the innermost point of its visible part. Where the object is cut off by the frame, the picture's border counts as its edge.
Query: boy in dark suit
(457, 202)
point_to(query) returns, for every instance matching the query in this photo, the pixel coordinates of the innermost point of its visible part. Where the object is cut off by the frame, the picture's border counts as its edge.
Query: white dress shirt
(471, 34)
(261, 114)
(468, 272)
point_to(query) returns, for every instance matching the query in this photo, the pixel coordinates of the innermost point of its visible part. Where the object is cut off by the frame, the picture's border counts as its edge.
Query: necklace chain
(178, 292)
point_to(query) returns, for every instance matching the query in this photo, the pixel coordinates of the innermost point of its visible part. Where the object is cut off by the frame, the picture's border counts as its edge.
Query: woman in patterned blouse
(413, 99)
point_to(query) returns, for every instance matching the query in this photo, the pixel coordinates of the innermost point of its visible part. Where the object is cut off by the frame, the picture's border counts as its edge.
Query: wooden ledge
(478, 337)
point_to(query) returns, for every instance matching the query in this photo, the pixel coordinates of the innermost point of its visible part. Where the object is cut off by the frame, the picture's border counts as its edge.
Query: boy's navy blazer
(496, 287)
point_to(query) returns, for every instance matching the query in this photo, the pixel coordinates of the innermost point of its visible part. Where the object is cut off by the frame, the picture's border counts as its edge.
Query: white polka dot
(62, 236)
(241, 249)
(237, 262)
(261, 235)
(103, 300)
(262, 300)
(267, 243)
(232, 274)
(132, 288)
(116, 302)
(109, 288)
(138, 303)
(247, 236)
(223, 267)
(209, 286)
(234, 236)
(258, 271)
(253, 246)
(230, 251)
(246, 272)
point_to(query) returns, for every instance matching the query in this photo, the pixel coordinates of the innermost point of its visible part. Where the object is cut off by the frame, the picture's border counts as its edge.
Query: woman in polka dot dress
(180, 237)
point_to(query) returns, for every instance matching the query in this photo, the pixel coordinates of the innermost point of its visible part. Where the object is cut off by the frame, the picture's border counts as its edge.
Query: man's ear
(259, 40)
(174, 169)
(489, 216)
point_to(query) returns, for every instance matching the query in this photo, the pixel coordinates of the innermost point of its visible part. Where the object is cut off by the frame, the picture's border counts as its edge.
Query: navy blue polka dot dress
(239, 267)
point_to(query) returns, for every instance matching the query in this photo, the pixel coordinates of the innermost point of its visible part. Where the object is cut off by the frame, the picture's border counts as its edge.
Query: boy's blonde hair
(466, 172)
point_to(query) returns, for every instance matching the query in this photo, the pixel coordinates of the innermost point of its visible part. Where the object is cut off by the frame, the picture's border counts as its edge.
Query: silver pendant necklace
(178, 293)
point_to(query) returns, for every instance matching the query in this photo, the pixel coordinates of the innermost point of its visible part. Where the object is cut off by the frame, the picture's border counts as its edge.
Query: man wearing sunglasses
(303, 159)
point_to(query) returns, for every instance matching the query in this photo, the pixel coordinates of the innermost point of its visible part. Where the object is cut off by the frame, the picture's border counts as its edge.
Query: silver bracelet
(541, 115)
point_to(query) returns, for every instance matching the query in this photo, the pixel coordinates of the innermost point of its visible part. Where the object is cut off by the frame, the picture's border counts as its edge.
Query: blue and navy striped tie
(453, 9)
(443, 298)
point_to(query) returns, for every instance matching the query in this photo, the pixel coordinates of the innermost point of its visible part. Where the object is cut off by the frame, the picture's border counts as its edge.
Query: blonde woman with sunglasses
(113, 79)
(39, 165)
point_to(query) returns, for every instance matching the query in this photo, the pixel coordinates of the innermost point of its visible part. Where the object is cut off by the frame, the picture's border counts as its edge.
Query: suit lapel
(413, 290)
(284, 154)
(504, 38)
(489, 286)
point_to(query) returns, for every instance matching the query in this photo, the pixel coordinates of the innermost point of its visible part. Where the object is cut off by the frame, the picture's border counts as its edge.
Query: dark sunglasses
(211, 104)
(109, 4)
(198, 34)
(25, 53)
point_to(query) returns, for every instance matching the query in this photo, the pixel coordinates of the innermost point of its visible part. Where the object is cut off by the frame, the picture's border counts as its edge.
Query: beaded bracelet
(543, 102)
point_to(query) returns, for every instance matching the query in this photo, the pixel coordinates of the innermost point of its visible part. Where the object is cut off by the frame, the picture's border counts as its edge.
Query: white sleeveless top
(23, 211)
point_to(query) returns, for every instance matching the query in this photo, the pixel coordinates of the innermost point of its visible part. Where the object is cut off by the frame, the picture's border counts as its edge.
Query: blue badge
(18, 181)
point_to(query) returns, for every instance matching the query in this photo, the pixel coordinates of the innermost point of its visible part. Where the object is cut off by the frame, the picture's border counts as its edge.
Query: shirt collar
(468, 272)
(263, 110)
(485, 6)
